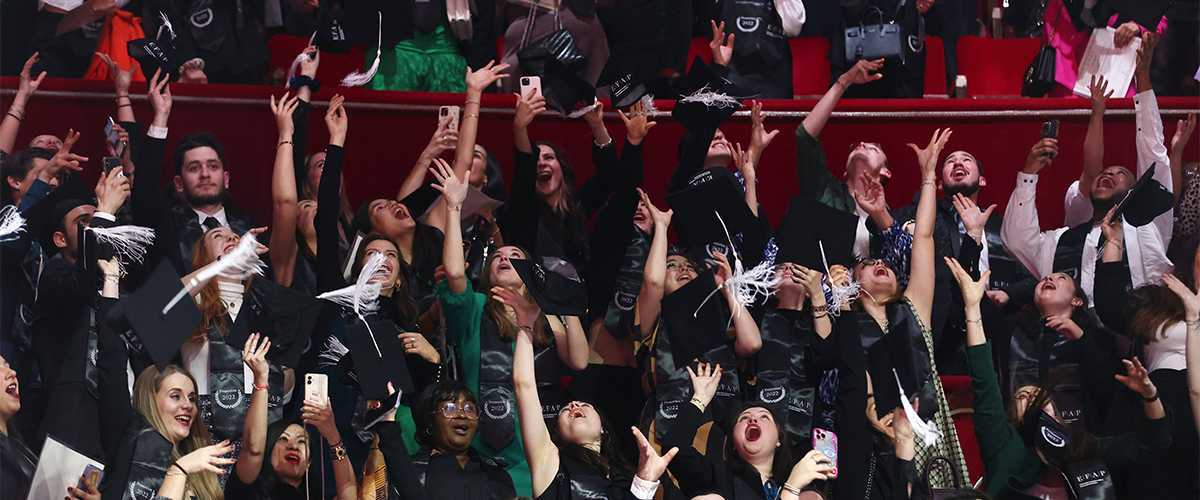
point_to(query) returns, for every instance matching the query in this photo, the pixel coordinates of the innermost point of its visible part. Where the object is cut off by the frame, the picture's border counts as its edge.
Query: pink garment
(1070, 45)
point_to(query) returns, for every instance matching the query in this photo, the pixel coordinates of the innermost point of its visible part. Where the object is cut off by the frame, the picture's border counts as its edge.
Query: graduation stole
(782, 382)
(1068, 255)
(753, 21)
(227, 379)
(497, 424)
(619, 317)
(151, 457)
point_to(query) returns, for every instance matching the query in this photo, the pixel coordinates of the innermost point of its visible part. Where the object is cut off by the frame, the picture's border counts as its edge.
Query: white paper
(474, 202)
(59, 467)
(1102, 57)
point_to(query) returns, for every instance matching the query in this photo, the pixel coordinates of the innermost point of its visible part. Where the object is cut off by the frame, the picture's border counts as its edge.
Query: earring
(396, 286)
(428, 431)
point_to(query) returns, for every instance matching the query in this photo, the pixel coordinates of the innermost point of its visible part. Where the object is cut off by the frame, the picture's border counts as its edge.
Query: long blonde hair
(203, 485)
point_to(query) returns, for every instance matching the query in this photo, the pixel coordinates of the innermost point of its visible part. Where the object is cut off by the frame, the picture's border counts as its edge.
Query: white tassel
(332, 353)
(166, 24)
(357, 79)
(745, 286)
(129, 242)
(239, 263)
(363, 296)
(583, 111)
(711, 99)
(296, 62)
(11, 223)
(839, 296)
(648, 106)
(926, 431)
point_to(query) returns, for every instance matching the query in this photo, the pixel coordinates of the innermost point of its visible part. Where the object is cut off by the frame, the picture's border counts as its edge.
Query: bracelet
(339, 443)
(1151, 399)
(10, 113)
(176, 465)
(605, 145)
(176, 474)
(697, 402)
(112, 278)
(261, 387)
(126, 96)
(791, 489)
(819, 316)
(526, 329)
(977, 321)
(339, 452)
(1192, 323)
(1118, 243)
(119, 106)
(821, 309)
(473, 101)
(284, 142)
(928, 182)
(454, 208)
(305, 81)
(471, 116)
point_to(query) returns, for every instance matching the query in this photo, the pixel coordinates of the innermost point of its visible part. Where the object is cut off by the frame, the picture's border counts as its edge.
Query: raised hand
(1039, 155)
(722, 50)
(526, 310)
(704, 381)
(337, 121)
(253, 233)
(810, 279)
(415, 343)
(814, 466)
(1066, 326)
(254, 354)
(478, 81)
(1125, 34)
(309, 65)
(29, 85)
(120, 78)
(1112, 230)
(283, 114)
(724, 271)
(861, 72)
(528, 106)
(972, 290)
(122, 140)
(973, 220)
(318, 414)
(1191, 303)
(111, 191)
(159, 96)
(63, 160)
(1183, 133)
(759, 137)
(1100, 93)
(454, 190)
(1137, 378)
(871, 196)
(207, 459)
(651, 465)
(1145, 53)
(661, 219)
(927, 157)
(443, 139)
(744, 161)
(636, 124)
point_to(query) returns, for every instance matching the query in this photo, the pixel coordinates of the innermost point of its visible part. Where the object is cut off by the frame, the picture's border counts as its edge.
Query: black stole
(1031, 359)
(226, 382)
(782, 382)
(151, 457)
(1068, 255)
(757, 26)
(577, 481)
(497, 424)
(619, 318)
(903, 321)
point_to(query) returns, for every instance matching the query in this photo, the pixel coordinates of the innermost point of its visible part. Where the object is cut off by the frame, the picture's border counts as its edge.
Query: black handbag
(1039, 76)
(559, 44)
(875, 41)
(945, 493)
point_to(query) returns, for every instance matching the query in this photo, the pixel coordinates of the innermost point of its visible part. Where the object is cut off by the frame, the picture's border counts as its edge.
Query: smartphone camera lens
(524, 81)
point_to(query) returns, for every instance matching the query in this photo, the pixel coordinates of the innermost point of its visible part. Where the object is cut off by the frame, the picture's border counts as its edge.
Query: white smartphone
(531, 83)
(453, 112)
(316, 387)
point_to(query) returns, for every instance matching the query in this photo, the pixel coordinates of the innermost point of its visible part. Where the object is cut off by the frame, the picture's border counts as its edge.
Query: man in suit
(202, 182)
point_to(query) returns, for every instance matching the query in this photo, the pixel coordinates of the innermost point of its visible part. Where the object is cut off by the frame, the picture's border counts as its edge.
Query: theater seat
(935, 67)
(810, 68)
(285, 48)
(995, 66)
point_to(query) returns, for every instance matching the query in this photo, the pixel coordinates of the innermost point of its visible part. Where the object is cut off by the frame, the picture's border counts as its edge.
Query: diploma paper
(1102, 57)
(59, 467)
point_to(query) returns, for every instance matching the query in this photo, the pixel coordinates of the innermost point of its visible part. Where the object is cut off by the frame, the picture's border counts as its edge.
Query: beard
(1103, 205)
(195, 199)
(967, 189)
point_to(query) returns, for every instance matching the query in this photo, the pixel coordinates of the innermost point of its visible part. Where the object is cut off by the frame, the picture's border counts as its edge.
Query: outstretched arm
(254, 434)
(1093, 143)
(16, 112)
(860, 73)
(285, 202)
(655, 273)
(922, 273)
(1183, 133)
(454, 191)
(747, 339)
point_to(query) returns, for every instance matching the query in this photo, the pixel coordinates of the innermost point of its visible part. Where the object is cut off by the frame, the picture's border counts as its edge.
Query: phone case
(531, 82)
(453, 112)
(93, 474)
(826, 442)
(316, 387)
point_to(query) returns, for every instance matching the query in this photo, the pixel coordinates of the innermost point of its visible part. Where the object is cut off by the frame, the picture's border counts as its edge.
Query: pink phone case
(826, 442)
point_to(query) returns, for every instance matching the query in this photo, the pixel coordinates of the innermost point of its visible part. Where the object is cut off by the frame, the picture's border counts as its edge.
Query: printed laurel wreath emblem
(496, 410)
(228, 398)
(772, 394)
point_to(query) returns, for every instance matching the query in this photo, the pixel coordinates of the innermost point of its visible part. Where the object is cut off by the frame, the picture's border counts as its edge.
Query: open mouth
(544, 176)
(400, 213)
(504, 266)
(1048, 286)
(683, 278)
(228, 247)
(959, 173)
(881, 271)
(578, 413)
(1106, 183)
(292, 458)
(460, 429)
(12, 390)
(753, 432)
(639, 217)
(184, 420)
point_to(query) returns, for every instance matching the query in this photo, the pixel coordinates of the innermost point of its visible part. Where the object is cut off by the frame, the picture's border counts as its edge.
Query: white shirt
(220, 216)
(862, 237)
(195, 357)
(1169, 349)
(67, 5)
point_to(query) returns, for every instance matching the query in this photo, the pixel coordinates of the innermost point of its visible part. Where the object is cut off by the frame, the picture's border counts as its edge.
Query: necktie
(211, 223)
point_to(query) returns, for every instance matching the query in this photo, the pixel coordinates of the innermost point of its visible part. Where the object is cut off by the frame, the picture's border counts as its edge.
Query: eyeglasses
(872, 262)
(1022, 395)
(451, 410)
(868, 145)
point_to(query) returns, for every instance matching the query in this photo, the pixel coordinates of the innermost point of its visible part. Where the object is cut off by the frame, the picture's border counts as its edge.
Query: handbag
(1039, 76)
(559, 44)
(945, 493)
(875, 41)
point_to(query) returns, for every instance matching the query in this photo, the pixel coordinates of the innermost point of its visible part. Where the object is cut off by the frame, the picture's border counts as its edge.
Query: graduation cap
(283, 315)
(703, 326)
(1147, 13)
(419, 201)
(715, 191)
(707, 100)
(630, 71)
(331, 38)
(1146, 200)
(377, 357)
(555, 285)
(46, 216)
(158, 52)
(161, 335)
(563, 88)
(807, 227)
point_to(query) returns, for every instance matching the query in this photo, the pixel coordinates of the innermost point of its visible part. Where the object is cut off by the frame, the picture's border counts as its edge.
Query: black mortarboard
(90, 249)
(331, 38)
(698, 117)
(705, 326)
(555, 285)
(898, 355)
(1147, 13)
(161, 335)
(810, 225)
(716, 191)
(375, 368)
(46, 216)
(155, 52)
(630, 71)
(563, 88)
(420, 200)
(1146, 200)
(283, 315)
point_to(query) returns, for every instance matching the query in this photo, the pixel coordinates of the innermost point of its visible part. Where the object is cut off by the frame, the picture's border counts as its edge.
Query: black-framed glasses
(872, 262)
(451, 410)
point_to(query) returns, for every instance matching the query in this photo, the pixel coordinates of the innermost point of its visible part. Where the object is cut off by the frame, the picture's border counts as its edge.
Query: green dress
(428, 62)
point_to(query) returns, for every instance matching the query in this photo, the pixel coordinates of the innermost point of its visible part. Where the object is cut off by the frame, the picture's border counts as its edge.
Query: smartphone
(111, 133)
(531, 83)
(316, 387)
(111, 162)
(1050, 131)
(93, 475)
(826, 442)
(453, 112)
